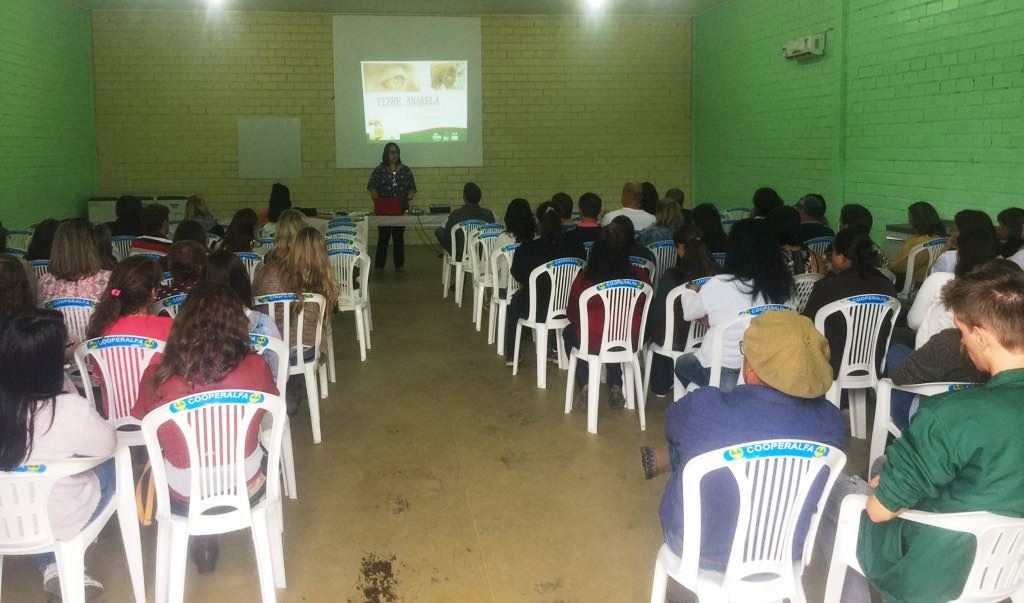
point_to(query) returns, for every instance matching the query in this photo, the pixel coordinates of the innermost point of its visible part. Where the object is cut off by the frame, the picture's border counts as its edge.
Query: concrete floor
(442, 478)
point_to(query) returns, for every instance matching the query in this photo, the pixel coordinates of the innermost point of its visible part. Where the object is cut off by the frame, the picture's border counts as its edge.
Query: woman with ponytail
(855, 260)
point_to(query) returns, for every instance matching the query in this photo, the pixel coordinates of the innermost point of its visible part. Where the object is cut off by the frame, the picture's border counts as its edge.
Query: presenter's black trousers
(384, 234)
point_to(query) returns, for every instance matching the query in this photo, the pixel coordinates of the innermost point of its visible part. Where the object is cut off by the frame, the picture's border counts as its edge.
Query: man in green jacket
(963, 452)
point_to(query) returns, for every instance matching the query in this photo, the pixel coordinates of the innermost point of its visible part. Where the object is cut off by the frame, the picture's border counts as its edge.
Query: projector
(440, 208)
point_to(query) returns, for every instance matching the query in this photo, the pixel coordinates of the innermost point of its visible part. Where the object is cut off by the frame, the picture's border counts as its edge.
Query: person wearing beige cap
(786, 373)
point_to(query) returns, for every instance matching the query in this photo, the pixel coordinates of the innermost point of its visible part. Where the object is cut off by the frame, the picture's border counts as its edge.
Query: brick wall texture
(568, 104)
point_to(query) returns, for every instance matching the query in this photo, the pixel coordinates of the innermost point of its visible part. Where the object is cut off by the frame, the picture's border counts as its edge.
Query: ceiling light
(595, 4)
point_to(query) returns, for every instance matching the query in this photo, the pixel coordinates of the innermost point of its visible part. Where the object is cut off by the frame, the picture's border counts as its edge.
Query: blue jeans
(690, 370)
(108, 480)
(900, 401)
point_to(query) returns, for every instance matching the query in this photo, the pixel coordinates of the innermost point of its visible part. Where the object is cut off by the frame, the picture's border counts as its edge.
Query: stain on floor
(377, 581)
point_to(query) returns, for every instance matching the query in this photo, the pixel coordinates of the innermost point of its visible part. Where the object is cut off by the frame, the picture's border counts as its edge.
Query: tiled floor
(442, 478)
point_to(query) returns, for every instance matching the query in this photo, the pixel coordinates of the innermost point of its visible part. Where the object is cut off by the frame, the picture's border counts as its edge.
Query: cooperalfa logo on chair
(870, 299)
(227, 397)
(762, 309)
(259, 340)
(620, 284)
(564, 262)
(71, 302)
(792, 448)
(122, 341)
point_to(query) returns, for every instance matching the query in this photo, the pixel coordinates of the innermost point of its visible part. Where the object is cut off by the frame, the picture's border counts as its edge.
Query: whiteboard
(270, 147)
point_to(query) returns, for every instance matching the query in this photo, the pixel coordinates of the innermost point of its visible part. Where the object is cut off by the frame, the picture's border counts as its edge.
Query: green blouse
(964, 451)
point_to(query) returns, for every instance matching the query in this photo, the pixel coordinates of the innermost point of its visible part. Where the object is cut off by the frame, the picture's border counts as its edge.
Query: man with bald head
(632, 194)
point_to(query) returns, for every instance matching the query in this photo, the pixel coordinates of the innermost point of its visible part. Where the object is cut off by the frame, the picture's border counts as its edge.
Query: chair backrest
(214, 426)
(153, 255)
(561, 273)
(120, 360)
(461, 233)
(251, 261)
(276, 350)
(664, 258)
(933, 248)
(719, 258)
(696, 331)
(718, 341)
(18, 239)
(819, 245)
(169, 306)
(341, 223)
(889, 274)
(501, 265)
(40, 267)
(18, 253)
(727, 224)
(619, 298)
(280, 304)
(865, 317)
(774, 479)
(736, 213)
(804, 286)
(120, 246)
(587, 246)
(212, 240)
(645, 264)
(883, 425)
(493, 227)
(344, 265)
(76, 311)
(342, 231)
(166, 279)
(483, 244)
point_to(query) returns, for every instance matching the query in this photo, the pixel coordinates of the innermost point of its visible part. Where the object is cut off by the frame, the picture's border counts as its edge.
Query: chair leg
(541, 335)
(500, 328)
(128, 521)
(491, 319)
(367, 325)
(277, 546)
(178, 563)
(648, 359)
(163, 560)
(560, 347)
(858, 399)
(515, 349)
(593, 387)
(360, 333)
(847, 528)
(659, 590)
(322, 374)
(570, 383)
(288, 462)
(460, 279)
(71, 569)
(313, 399)
(641, 394)
(446, 277)
(264, 562)
(331, 373)
(628, 388)
(478, 307)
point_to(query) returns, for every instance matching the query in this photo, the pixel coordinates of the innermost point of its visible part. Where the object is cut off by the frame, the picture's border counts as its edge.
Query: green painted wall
(47, 123)
(914, 99)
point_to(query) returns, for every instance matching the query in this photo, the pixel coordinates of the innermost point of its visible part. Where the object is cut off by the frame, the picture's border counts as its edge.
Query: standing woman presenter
(391, 179)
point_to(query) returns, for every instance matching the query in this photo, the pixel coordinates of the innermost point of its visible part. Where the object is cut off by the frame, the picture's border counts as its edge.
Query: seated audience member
(608, 261)
(197, 210)
(855, 265)
(241, 234)
(75, 269)
(16, 296)
(280, 201)
(962, 452)
(632, 200)
(156, 223)
(799, 258)
(128, 210)
(649, 198)
(520, 226)
(667, 220)
(41, 244)
(679, 197)
(190, 230)
(104, 246)
(29, 272)
(1009, 231)
(927, 225)
(552, 244)
(470, 210)
(765, 200)
(289, 223)
(927, 315)
(813, 223)
(186, 263)
(589, 226)
(563, 203)
(41, 424)
(707, 219)
(754, 275)
(964, 221)
(635, 248)
(855, 216)
(208, 350)
(786, 374)
(693, 261)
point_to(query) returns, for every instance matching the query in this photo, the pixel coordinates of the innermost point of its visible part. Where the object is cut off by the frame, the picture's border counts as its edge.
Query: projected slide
(415, 101)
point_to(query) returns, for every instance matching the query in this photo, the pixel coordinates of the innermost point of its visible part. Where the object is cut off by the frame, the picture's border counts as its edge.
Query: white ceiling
(423, 7)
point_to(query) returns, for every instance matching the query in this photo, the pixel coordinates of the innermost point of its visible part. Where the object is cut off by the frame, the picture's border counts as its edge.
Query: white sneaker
(51, 584)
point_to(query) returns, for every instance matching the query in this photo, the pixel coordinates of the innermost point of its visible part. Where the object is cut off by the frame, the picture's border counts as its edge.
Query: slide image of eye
(390, 77)
(448, 76)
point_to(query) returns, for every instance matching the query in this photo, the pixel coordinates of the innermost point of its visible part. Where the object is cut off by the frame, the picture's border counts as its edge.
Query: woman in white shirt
(40, 424)
(964, 221)
(754, 275)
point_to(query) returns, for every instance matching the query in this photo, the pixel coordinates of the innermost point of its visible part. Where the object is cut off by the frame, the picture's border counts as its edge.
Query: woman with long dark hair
(965, 221)
(391, 179)
(609, 260)
(16, 294)
(186, 263)
(39, 423)
(754, 275)
(1010, 231)
(103, 243)
(280, 201)
(927, 225)
(208, 350)
(707, 219)
(241, 233)
(520, 226)
(799, 258)
(42, 240)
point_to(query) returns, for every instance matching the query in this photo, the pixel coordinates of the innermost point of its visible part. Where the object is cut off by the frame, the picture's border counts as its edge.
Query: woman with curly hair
(208, 350)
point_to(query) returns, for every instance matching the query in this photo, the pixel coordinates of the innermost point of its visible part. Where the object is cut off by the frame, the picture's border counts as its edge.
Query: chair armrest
(957, 522)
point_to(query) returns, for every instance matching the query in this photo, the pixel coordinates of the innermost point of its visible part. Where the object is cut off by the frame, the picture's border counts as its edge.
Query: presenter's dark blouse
(397, 184)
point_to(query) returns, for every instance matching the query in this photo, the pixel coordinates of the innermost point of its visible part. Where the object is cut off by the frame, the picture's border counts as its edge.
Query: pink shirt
(150, 327)
(89, 287)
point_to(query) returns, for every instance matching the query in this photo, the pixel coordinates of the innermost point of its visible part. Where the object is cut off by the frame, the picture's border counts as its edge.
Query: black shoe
(204, 553)
(616, 399)
(648, 462)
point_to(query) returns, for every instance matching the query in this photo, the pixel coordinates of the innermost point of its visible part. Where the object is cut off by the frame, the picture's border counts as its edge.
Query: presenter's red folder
(387, 206)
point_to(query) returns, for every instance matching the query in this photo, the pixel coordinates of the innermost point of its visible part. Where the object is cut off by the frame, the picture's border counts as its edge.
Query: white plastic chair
(147, 253)
(76, 311)
(251, 261)
(718, 340)
(997, 573)
(933, 248)
(865, 317)
(169, 305)
(166, 279)
(19, 239)
(889, 274)
(719, 258)
(262, 344)
(120, 246)
(587, 246)
(819, 245)
(645, 264)
(560, 273)
(482, 247)
(694, 337)
(214, 426)
(281, 303)
(883, 425)
(344, 263)
(342, 231)
(341, 222)
(501, 265)
(774, 479)
(665, 258)
(736, 213)
(458, 258)
(620, 344)
(40, 267)
(804, 286)
(25, 523)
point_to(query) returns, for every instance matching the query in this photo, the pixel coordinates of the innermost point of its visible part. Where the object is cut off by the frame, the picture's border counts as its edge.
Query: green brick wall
(47, 127)
(915, 99)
